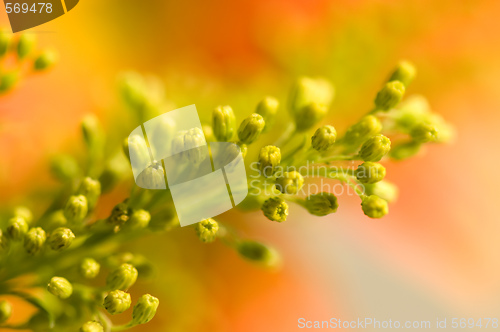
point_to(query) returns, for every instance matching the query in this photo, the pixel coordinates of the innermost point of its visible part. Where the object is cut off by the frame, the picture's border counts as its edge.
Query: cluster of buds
(368, 142)
(67, 247)
(23, 50)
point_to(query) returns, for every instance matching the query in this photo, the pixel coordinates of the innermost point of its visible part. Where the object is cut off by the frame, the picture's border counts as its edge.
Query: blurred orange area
(436, 254)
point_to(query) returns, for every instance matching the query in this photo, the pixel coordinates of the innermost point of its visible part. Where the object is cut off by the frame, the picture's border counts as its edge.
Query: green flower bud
(309, 101)
(367, 127)
(45, 60)
(61, 238)
(55, 220)
(89, 268)
(321, 204)
(275, 209)
(309, 116)
(76, 209)
(369, 172)
(405, 150)
(5, 41)
(145, 309)
(17, 228)
(122, 278)
(390, 95)
(138, 219)
(258, 253)
(268, 107)
(424, 132)
(91, 189)
(324, 138)
(269, 158)
(136, 145)
(5, 311)
(4, 243)
(251, 128)
(207, 230)
(119, 214)
(383, 189)
(64, 167)
(290, 182)
(223, 123)
(93, 134)
(23, 212)
(208, 132)
(405, 72)
(153, 177)
(117, 302)
(190, 145)
(25, 45)
(374, 206)
(34, 240)
(8, 80)
(375, 148)
(92, 326)
(60, 287)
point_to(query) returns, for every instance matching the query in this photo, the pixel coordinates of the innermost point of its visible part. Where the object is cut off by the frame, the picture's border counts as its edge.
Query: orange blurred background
(435, 255)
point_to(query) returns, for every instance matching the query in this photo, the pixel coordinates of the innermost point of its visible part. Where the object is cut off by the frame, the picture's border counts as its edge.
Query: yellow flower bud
(89, 268)
(122, 278)
(251, 128)
(61, 238)
(269, 158)
(321, 204)
(290, 182)
(34, 240)
(275, 209)
(374, 206)
(405, 72)
(223, 123)
(117, 302)
(60, 287)
(145, 309)
(390, 95)
(207, 230)
(375, 148)
(268, 107)
(369, 172)
(324, 138)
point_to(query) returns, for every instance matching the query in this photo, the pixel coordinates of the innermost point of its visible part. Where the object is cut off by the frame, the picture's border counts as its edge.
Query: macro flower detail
(61, 238)
(324, 138)
(91, 189)
(374, 206)
(89, 268)
(369, 172)
(251, 128)
(76, 209)
(390, 95)
(290, 182)
(34, 240)
(144, 309)
(17, 227)
(405, 72)
(269, 158)
(207, 230)
(275, 209)
(259, 253)
(321, 204)
(224, 123)
(138, 219)
(292, 152)
(122, 278)
(424, 132)
(117, 302)
(375, 148)
(267, 108)
(309, 101)
(60, 287)
(367, 127)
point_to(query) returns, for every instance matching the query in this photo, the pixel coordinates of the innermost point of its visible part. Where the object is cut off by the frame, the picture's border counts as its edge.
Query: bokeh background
(436, 254)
